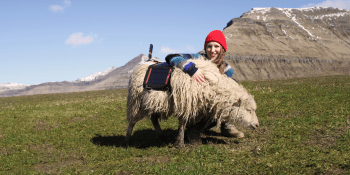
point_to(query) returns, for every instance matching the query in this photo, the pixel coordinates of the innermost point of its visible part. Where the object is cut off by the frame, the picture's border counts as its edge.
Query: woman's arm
(228, 70)
(186, 65)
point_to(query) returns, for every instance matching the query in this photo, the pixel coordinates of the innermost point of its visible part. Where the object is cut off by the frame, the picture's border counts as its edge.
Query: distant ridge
(12, 86)
(110, 79)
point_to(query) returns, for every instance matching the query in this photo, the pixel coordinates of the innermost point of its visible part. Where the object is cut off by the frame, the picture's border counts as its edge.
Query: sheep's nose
(254, 125)
(257, 125)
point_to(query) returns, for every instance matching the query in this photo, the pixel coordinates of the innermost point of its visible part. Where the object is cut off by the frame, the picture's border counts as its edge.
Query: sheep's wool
(219, 96)
(142, 103)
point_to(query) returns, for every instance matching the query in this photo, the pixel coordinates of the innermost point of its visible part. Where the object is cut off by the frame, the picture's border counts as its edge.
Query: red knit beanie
(217, 36)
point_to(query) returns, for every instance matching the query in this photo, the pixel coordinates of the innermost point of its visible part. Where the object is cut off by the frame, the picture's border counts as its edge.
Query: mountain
(16, 86)
(112, 78)
(12, 86)
(273, 43)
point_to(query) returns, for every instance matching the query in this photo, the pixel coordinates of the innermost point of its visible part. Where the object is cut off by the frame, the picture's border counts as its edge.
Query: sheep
(220, 98)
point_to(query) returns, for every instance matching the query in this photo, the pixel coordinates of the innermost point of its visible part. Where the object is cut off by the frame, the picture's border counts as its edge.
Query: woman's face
(213, 49)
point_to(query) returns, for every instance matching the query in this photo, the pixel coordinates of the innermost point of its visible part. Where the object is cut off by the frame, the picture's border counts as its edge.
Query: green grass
(304, 129)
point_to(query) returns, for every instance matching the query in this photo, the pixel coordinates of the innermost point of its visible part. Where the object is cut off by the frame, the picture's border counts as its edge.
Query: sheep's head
(246, 113)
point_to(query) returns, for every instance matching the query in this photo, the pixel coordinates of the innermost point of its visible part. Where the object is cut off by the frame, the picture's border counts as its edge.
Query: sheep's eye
(249, 110)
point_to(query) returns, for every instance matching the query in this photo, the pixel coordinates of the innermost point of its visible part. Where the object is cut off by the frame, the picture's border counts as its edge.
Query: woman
(215, 48)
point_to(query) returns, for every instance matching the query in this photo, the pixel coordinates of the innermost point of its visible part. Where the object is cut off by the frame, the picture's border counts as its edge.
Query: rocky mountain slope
(269, 43)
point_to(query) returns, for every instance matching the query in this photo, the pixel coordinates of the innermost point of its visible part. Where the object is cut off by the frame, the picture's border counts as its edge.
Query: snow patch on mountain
(96, 75)
(12, 86)
(294, 15)
(262, 10)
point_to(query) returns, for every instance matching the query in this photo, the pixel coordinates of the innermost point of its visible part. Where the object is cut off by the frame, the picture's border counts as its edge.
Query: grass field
(304, 129)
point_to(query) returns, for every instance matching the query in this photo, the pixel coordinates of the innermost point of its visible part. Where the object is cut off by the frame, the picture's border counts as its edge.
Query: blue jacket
(183, 62)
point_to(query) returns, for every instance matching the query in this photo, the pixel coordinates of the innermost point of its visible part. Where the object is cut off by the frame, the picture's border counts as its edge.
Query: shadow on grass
(149, 138)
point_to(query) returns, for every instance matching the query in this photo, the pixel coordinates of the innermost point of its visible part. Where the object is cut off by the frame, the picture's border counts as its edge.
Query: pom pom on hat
(217, 36)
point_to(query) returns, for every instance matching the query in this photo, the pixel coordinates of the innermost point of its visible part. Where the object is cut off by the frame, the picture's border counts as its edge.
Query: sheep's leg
(180, 138)
(129, 132)
(155, 122)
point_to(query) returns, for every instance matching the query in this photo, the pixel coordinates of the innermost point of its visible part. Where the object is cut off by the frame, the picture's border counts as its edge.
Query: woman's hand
(199, 77)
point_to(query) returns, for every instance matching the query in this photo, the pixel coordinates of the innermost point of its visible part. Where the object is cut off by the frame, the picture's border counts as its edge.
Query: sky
(63, 40)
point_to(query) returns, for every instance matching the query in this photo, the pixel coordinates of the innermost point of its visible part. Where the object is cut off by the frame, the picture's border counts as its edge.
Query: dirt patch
(77, 119)
(325, 140)
(186, 168)
(54, 161)
(152, 159)
(56, 125)
(41, 125)
(5, 151)
(47, 153)
(57, 167)
(47, 148)
(336, 170)
(94, 117)
(123, 172)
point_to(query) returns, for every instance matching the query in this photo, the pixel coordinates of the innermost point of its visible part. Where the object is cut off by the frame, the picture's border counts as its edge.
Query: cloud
(77, 39)
(56, 8)
(59, 8)
(166, 49)
(190, 48)
(66, 2)
(342, 4)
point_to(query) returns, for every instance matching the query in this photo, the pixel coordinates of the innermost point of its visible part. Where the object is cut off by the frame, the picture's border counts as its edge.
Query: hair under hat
(217, 36)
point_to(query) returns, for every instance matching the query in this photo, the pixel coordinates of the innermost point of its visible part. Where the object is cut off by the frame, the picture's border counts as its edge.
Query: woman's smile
(213, 49)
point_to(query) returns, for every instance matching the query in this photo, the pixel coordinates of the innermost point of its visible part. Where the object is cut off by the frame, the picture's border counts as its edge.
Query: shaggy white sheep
(220, 98)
